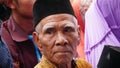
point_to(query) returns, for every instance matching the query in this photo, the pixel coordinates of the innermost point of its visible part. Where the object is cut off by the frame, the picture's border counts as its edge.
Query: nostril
(62, 43)
(58, 44)
(65, 43)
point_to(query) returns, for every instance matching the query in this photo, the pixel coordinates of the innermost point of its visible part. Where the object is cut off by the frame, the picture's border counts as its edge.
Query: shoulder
(81, 63)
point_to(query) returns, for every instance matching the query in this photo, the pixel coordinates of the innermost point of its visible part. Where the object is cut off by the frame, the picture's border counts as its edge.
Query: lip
(63, 52)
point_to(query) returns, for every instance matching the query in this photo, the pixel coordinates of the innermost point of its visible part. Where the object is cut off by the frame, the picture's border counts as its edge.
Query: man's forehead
(54, 24)
(57, 19)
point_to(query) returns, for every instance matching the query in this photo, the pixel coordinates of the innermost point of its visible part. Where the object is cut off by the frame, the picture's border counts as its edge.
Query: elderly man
(56, 34)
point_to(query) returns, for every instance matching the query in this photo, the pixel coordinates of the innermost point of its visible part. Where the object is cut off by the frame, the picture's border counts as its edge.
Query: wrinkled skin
(57, 37)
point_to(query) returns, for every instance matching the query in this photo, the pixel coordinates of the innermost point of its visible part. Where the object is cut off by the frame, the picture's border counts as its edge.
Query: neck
(64, 66)
(67, 65)
(24, 22)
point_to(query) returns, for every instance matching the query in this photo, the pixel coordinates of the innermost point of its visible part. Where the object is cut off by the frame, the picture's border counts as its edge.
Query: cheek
(73, 39)
(46, 49)
(47, 45)
(27, 4)
(48, 40)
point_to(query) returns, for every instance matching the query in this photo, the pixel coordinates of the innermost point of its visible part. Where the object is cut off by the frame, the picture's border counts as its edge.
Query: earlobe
(35, 35)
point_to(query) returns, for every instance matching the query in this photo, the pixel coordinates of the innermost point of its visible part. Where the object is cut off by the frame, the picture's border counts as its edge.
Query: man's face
(57, 37)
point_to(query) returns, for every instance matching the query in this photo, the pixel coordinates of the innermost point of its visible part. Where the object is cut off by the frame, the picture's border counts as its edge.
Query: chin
(62, 59)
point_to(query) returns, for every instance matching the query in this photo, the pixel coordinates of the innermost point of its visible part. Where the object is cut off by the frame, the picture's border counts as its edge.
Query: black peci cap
(44, 8)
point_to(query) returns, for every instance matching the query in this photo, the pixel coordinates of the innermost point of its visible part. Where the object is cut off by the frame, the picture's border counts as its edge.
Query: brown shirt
(21, 48)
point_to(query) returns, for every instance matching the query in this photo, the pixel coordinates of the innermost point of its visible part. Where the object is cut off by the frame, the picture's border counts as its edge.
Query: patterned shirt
(80, 63)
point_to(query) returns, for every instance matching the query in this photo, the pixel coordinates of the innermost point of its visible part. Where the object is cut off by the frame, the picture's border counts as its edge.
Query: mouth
(63, 52)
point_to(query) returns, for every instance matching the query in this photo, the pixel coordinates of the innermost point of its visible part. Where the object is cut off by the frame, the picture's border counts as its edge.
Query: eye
(69, 29)
(50, 31)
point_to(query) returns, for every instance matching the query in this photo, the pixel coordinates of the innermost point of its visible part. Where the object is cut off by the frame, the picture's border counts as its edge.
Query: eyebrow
(47, 26)
(70, 25)
(50, 25)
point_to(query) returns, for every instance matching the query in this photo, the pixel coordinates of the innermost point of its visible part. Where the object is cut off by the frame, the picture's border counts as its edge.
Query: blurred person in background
(84, 6)
(5, 57)
(15, 32)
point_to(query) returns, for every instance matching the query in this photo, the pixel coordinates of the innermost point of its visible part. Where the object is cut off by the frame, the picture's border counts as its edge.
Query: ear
(10, 4)
(36, 40)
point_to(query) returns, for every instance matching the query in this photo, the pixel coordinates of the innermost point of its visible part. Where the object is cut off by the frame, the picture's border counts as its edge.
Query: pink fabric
(16, 32)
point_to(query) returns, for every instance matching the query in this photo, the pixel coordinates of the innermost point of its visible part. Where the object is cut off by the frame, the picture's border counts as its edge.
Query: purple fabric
(102, 27)
(110, 10)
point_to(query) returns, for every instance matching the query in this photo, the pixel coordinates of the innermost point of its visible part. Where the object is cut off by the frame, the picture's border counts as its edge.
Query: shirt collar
(44, 63)
(17, 33)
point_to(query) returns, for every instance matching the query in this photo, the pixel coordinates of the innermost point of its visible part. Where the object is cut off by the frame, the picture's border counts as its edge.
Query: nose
(61, 39)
